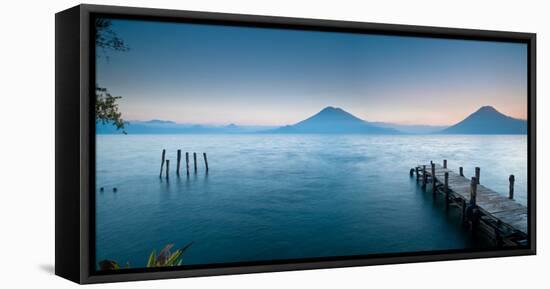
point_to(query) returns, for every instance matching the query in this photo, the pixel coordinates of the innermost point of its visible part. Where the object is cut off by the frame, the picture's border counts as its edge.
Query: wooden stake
(463, 210)
(411, 172)
(433, 178)
(205, 161)
(195, 161)
(473, 190)
(511, 179)
(478, 171)
(178, 163)
(187, 162)
(162, 162)
(167, 168)
(446, 189)
(424, 176)
(461, 169)
(444, 164)
(417, 175)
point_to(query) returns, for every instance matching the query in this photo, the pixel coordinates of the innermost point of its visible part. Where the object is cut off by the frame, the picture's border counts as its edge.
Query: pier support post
(187, 162)
(478, 172)
(411, 172)
(444, 164)
(162, 162)
(178, 163)
(446, 189)
(424, 177)
(417, 175)
(433, 179)
(195, 161)
(511, 179)
(498, 238)
(167, 168)
(473, 191)
(205, 161)
(461, 169)
(463, 211)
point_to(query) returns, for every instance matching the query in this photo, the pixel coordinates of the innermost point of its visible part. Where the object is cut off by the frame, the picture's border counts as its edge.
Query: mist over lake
(287, 196)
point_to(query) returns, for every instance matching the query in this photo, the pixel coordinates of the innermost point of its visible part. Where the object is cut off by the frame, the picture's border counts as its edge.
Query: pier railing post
(424, 177)
(195, 161)
(444, 164)
(433, 178)
(162, 162)
(205, 161)
(478, 172)
(446, 189)
(473, 191)
(167, 168)
(187, 162)
(511, 179)
(461, 169)
(178, 163)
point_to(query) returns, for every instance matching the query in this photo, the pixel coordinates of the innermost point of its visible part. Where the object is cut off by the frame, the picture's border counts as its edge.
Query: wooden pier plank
(497, 206)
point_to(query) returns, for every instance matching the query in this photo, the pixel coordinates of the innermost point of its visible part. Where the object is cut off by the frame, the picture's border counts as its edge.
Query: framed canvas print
(193, 144)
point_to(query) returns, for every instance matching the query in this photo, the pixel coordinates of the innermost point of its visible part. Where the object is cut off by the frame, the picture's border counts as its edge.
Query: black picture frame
(75, 141)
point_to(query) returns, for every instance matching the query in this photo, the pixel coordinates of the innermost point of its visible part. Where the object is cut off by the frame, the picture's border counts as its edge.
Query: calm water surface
(288, 196)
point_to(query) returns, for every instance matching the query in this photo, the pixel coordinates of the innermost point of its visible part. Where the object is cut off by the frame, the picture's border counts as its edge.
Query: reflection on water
(288, 196)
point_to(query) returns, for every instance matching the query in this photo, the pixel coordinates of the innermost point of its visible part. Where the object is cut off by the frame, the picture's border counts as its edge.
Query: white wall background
(27, 143)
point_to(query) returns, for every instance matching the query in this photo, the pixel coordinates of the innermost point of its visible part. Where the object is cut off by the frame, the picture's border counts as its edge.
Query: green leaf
(173, 258)
(151, 262)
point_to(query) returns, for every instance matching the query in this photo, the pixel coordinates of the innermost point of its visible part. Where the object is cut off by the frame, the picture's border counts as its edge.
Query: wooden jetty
(501, 219)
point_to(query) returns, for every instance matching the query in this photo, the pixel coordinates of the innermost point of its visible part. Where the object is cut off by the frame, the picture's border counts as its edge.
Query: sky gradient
(208, 74)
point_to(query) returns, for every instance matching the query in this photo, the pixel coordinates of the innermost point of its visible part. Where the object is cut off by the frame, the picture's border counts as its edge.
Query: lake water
(288, 196)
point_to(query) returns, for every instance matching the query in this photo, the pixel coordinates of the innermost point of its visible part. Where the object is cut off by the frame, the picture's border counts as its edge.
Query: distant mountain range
(332, 120)
(412, 128)
(170, 127)
(487, 120)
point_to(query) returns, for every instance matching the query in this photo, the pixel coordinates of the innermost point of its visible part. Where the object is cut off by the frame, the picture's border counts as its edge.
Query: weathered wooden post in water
(444, 164)
(195, 161)
(178, 163)
(205, 161)
(461, 169)
(433, 178)
(417, 175)
(162, 162)
(478, 172)
(446, 189)
(473, 191)
(167, 167)
(463, 211)
(187, 162)
(512, 179)
(424, 176)
(411, 172)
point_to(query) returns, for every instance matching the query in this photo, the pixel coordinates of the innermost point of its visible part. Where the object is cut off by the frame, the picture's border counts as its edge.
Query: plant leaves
(108, 265)
(151, 261)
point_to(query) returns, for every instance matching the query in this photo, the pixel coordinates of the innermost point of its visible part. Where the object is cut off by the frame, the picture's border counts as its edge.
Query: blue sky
(209, 74)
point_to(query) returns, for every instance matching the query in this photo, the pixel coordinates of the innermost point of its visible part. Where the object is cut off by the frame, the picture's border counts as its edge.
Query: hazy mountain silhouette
(412, 128)
(487, 120)
(334, 120)
(169, 127)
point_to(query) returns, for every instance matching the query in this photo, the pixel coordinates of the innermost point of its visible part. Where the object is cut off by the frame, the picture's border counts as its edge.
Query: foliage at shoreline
(165, 258)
